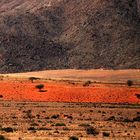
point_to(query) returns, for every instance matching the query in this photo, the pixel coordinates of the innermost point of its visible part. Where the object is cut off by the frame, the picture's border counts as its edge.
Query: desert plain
(73, 104)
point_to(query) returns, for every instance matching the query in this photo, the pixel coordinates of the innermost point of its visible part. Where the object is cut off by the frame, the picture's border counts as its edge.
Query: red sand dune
(63, 92)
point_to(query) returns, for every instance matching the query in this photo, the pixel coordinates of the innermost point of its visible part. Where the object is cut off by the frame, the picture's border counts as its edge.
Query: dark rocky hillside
(61, 34)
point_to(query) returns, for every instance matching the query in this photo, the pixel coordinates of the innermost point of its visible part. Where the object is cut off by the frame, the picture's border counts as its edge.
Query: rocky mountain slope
(61, 34)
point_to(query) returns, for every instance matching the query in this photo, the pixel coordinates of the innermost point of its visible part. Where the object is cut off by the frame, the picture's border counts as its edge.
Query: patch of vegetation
(138, 113)
(34, 124)
(31, 129)
(84, 125)
(3, 138)
(55, 116)
(73, 138)
(92, 131)
(127, 120)
(138, 96)
(32, 79)
(40, 87)
(43, 129)
(7, 129)
(70, 117)
(1, 77)
(1, 96)
(129, 83)
(137, 119)
(29, 114)
(112, 118)
(87, 83)
(56, 131)
(47, 118)
(106, 134)
(66, 129)
(60, 124)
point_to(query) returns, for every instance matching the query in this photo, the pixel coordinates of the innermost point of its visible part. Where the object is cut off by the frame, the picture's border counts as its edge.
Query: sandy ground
(59, 121)
(106, 76)
(68, 92)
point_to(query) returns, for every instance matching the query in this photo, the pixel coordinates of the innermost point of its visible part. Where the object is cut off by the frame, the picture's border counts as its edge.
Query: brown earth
(59, 121)
(40, 35)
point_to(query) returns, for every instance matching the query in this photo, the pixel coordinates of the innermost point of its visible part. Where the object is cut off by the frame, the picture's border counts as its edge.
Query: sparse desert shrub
(112, 118)
(40, 87)
(73, 138)
(3, 138)
(129, 83)
(60, 124)
(8, 129)
(1, 77)
(66, 129)
(137, 119)
(138, 96)
(87, 83)
(103, 112)
(43, 129)
(38, 116)
(29, 114)
(127, 120)
(31, 129)
(106, 134)
(91, 111)
(34, 124)
(91, 131)
(70, 117)
(138, 113)
(55, 116)
(1, 96)
(47, 118)
(33, 78)
(84, 125)
(56, 131)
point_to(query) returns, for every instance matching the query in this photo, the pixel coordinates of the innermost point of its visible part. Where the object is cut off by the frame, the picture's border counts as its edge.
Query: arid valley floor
(94, 104)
